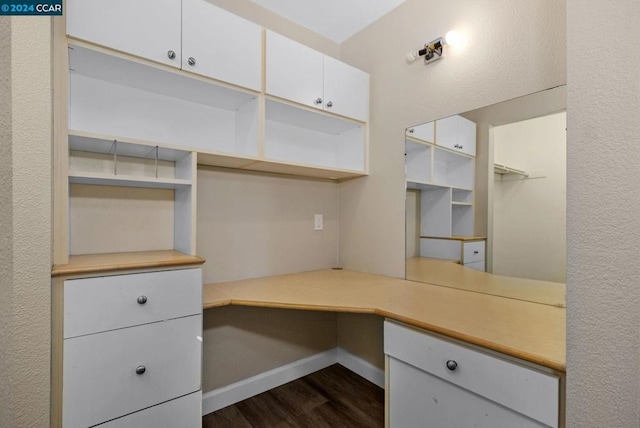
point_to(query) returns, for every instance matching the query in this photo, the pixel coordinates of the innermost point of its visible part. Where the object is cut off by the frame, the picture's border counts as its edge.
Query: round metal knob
(476, 252)
(142, 300)
(171, 55)
(140, 370)
(330, 104)
(191, 61)
(411, 131)
(319, 101)
(452, 365)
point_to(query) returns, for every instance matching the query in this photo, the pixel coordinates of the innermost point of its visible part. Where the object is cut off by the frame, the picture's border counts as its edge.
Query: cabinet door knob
(191, 61)
(452, 365)
(476, 252)
(142, 300)
(140, 370)
(411, 131)
(171, 55)
(319, 101)
(330, 104)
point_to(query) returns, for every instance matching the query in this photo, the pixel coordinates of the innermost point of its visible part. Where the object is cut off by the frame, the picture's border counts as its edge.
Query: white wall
(529, 215)
(26, 138)
(603, 226)
(512, 49)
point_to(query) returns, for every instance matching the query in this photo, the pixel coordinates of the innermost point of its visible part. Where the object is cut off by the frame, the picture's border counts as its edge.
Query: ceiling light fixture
(433, 51)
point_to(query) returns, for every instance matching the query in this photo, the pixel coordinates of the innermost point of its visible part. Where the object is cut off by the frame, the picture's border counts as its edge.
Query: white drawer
(93, 305)
(100, 382)
(476, 265)
(524, 390)
(472, 251)
(182, 412)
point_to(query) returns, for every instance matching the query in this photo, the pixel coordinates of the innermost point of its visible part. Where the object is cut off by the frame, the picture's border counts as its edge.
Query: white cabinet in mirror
(440, 164)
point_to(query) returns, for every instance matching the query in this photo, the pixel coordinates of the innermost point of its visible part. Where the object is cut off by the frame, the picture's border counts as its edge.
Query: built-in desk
(529, 331)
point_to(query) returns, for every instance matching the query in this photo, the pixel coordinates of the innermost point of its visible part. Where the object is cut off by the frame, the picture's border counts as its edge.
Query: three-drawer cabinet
(132, 350)
(433, 382)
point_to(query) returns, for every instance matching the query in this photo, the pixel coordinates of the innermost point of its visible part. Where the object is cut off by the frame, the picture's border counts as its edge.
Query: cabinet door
(146, 28)
(422, 132)
(466, 136)
(346, 90)
(182, 412)
(221, 45)
(456, 133)
(293, 71)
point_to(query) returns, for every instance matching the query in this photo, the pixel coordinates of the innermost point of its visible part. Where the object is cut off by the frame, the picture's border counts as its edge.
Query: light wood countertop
(93, 263)
(450, 274)
(529, 331)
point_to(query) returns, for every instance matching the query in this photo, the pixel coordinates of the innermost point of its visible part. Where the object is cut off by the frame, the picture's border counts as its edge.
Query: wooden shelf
(127, 181)
(94, 263)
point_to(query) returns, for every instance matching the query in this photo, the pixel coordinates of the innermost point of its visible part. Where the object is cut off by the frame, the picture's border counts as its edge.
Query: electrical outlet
(318, 222)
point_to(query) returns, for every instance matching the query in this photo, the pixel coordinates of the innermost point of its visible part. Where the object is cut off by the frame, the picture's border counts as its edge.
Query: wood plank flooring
(332, 397)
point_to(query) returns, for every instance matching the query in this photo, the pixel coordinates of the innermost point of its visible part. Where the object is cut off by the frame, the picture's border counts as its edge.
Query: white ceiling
(335, 19)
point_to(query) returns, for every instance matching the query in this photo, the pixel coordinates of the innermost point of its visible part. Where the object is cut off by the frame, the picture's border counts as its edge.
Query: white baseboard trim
(236, 392)
(247, 388)
(361, 367)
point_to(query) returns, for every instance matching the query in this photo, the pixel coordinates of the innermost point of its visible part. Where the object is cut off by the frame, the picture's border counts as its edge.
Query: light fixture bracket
(434, 50)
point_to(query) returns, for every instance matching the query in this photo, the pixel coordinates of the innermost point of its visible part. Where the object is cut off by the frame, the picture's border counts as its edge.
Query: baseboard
(361, 367)
(247, 388)
(236, 392)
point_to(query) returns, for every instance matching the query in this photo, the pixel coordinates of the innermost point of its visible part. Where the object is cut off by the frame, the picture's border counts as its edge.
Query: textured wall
(603, 227)
(31, 140)
(512, 48)
(6, 223)
(251, 225)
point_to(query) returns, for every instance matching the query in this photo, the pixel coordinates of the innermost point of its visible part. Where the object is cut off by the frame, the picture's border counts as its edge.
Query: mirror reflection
(486, 199)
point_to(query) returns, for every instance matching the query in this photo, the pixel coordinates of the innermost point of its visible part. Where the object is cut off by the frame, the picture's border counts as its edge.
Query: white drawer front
(182, 412)
(476, 265)
(473, 251)
(529, 392)
(100, 382)
(93, 305)
(418, 399)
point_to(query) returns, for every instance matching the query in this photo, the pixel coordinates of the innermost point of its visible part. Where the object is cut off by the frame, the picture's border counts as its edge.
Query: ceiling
(335, 19)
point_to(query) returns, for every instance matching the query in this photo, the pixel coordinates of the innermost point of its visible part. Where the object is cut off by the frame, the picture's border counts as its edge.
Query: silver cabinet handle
(411, 131)
(476, 252)
(330, 104)
(140, 370)
(171, 55)
(191, 61)
(142, 300)
(319, 101)
(452, 365)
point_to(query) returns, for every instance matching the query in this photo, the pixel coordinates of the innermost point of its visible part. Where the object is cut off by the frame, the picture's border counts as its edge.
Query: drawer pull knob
(142, 300)
(476, 252)
(140, 370)
(452, 365)
(319, 101)
(171, 55)
(191, 61)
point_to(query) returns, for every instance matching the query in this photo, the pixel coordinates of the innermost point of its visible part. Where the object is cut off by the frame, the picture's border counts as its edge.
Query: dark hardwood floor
(333, 397)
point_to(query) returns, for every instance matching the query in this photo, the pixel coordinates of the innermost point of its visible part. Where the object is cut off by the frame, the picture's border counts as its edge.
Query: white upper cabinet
(221, 45)
(190, 34)
(301, 74)
(346, 89)
(146, 28)
(294, 71)
(457, 133)
(424, 132)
